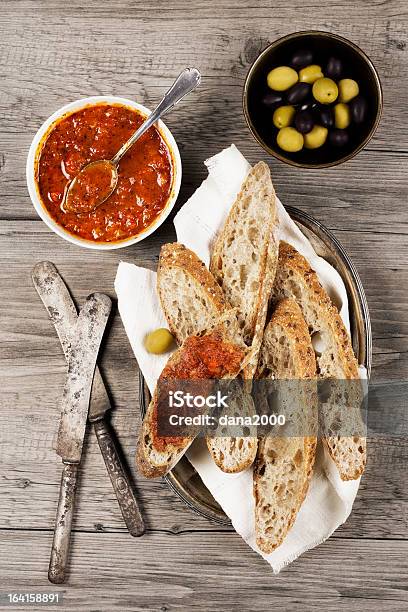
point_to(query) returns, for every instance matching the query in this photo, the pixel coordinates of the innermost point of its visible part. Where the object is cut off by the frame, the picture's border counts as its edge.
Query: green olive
(283, 116)
(290, 140)
(341, 116)
(325, 90)
(310, 74)
(158, 341)
(316, 137)
(348, 89)
(282, 78)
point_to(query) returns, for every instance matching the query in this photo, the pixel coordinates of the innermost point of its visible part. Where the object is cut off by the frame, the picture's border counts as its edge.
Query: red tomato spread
(145, 172)
(91, 187)
(200, 358)
(203, 357)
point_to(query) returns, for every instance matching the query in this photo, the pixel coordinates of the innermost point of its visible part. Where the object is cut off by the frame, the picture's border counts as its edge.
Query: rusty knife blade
(62, 311)
(84, 349)
(57, 299)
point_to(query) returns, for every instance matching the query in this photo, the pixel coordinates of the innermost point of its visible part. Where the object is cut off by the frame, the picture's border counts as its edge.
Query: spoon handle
(183, 85)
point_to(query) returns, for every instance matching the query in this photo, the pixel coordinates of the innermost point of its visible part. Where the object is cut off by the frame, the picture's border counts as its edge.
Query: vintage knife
(61, 308)
(83, 354)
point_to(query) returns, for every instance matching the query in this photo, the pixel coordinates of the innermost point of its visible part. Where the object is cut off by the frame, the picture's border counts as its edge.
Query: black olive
(301, 58)
(309, 105)
(299, 93)
(272, 99)
(326, 117)
(338, 138)
(358, 109)
(334, 68)
(304, 121)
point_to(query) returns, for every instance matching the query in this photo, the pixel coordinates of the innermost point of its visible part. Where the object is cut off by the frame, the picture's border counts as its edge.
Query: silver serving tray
(183, 479)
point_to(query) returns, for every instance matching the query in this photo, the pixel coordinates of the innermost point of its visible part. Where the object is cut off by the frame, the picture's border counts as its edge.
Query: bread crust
(258, 178)
(176, 255)
(144, 459)
(152, 461)
(291, 259)
(258, 175)
(310, 452)
(287, 320)
(271, 266)
(297, 267)
(288, 317)
(235, 454)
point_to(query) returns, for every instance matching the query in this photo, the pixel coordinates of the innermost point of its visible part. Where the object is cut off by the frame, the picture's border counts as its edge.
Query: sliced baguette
(151, 461)
(283, 465)
(295, 279)
(192, 301)
(234, 454)
(244, 255)
(157, 455)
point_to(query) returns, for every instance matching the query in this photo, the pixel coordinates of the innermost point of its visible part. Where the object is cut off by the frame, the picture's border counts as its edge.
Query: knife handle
(62, 530)
(120, 480)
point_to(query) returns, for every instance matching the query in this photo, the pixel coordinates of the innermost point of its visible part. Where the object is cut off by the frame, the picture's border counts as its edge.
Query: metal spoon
(97, 180)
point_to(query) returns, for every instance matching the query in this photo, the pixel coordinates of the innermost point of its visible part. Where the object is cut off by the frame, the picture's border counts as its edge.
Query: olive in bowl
(330, 86)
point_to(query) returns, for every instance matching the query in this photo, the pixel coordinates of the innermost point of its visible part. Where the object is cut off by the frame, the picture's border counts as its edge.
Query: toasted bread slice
(192, 301)
(283, 465)
(335, 359)
(244, 255)
(206, 356)
(153, 460)
(235, 453)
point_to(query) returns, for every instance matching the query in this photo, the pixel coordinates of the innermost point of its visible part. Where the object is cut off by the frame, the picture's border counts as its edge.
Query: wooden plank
(384, 275)
(342, 198)
(30, 470)
(30, 487)
(133, 62)
(155, 573)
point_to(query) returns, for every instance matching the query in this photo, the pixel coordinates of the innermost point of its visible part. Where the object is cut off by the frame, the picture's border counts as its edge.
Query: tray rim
(365, 347)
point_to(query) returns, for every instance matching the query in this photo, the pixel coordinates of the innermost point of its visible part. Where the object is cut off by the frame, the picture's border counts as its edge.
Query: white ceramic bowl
(34, 153)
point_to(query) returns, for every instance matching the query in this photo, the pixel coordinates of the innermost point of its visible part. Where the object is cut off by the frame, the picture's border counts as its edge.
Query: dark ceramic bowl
(323, 45)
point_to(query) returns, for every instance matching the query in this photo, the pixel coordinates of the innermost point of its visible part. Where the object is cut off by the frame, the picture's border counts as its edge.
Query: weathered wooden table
(53, 52)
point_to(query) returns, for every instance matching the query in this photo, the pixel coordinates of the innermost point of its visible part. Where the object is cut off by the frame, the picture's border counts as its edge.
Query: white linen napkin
(329, 500)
